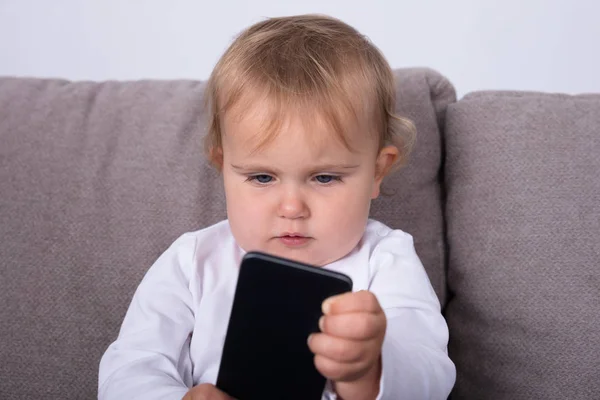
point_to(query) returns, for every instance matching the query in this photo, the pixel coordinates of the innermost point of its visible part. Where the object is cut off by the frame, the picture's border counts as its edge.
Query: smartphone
(277, 305)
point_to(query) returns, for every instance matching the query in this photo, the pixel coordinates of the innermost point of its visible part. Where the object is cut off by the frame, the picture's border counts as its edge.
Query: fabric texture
(523, 215)
(98, 179)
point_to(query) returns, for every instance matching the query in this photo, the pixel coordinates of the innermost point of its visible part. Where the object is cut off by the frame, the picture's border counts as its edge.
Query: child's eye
(327, 178)
(262, 178)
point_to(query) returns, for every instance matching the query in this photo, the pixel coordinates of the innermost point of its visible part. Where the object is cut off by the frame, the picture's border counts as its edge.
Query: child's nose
(293, 205)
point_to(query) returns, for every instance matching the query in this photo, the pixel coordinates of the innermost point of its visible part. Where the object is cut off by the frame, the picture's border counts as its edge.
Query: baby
(303, 131)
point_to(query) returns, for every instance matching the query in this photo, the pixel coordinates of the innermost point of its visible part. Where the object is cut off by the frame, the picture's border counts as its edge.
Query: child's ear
(386, 159)
(215, 155)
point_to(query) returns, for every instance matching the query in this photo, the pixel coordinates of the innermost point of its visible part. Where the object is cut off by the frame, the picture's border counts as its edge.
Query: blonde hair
(307, 64)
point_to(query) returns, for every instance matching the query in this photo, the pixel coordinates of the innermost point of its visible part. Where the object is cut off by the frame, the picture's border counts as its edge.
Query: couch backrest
(523, 214)
(97, 179)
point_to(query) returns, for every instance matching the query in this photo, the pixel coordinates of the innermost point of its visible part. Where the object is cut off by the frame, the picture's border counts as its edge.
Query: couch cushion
(413, 199)
(97, 179)
(523, 215)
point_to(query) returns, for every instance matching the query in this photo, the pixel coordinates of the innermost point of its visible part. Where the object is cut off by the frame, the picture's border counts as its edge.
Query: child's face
(304, 195)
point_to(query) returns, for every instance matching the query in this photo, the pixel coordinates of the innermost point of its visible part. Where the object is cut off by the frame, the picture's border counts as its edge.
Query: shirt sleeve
(415, 359)
(150, 358)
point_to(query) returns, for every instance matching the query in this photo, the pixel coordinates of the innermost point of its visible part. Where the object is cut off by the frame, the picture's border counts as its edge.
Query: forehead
(254, 126)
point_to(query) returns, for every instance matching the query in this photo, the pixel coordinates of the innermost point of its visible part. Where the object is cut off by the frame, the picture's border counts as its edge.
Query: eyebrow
(322, 167)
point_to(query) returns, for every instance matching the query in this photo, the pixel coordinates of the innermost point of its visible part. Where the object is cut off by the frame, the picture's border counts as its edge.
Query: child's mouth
(293, 240)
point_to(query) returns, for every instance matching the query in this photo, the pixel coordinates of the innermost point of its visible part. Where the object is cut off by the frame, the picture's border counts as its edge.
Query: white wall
(550, 45)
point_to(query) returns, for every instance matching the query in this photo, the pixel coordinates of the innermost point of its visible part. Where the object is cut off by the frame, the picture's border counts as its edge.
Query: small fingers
(337, 349)
(354, 326)
(337, 371)
(362, 301)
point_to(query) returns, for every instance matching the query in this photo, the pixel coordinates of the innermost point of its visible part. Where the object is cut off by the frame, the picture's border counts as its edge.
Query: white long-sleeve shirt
(173, 334)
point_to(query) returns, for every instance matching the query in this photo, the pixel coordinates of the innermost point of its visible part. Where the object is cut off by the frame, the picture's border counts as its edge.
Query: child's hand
(348, 351)
(206, 391)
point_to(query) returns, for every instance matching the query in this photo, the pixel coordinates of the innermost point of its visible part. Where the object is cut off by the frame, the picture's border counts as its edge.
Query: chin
(307, 258)
(304, 255)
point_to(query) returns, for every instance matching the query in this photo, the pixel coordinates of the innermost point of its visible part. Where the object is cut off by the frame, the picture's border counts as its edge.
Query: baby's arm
(417, 369)
(150, 358)
(388, 342)
(414, 354)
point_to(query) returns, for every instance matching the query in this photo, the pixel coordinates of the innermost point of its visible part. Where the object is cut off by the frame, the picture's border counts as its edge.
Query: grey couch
(501, 194)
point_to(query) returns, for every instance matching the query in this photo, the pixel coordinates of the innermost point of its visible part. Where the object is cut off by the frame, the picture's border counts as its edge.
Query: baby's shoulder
(193, 253)
(215, 232)
(380, 238)
(384, 257)
(389, 248)
(207, 241)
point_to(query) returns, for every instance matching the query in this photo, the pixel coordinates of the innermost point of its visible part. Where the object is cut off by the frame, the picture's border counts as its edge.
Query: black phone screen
(277, 305)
